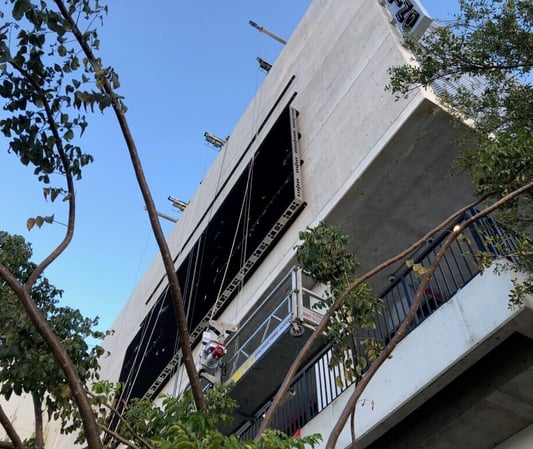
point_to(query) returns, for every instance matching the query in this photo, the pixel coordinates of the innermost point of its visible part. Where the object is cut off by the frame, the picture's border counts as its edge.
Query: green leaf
(19, 8)
(69, 135)
(114, 80)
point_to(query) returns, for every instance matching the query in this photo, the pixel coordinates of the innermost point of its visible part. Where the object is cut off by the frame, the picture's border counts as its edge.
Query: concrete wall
(339, 55)
(522, 440)
(19, 410)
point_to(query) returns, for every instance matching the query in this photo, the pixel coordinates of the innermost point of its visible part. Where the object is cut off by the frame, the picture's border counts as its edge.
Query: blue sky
(185, 68)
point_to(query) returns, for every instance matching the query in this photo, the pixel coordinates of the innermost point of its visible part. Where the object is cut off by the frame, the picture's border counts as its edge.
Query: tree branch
(168, 262)
(402, 330)
(118, 437)
(121, 418)
(16, 442)
(300, 358)
(68, 176)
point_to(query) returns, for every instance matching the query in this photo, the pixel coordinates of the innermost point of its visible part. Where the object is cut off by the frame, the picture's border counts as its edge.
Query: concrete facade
(354, 143)
(379, 168)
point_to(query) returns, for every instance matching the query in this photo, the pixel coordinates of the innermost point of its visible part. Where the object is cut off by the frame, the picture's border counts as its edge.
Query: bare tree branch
(300, 358)
(402, 330)
(117, 437)
(121, 418)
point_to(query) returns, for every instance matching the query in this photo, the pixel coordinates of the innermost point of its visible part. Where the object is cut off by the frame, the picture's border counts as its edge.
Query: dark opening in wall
(264, 200)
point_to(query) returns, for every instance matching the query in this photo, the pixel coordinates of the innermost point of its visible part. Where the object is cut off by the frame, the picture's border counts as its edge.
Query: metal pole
(267, 32)
(165, 216)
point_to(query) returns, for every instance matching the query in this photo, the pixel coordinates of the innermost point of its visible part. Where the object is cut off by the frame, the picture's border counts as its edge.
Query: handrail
(314, 388)
(288, 303)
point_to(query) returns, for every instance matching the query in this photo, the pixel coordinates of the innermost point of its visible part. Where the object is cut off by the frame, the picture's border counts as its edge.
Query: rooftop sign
(408, 15)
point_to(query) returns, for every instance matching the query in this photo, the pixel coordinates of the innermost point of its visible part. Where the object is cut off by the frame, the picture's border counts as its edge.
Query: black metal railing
(315, 387)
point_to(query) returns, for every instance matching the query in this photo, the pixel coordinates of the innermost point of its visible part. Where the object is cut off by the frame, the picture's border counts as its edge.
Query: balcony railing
(314, 388)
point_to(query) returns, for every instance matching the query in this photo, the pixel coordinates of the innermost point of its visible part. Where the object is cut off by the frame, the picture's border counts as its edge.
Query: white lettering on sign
(409, 15)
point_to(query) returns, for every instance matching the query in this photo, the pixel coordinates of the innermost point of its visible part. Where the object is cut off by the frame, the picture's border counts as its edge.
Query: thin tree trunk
(38, 413)
(183, 332)
(16, 442)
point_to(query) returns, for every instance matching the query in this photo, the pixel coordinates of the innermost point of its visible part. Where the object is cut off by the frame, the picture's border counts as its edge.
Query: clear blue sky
(185, 68)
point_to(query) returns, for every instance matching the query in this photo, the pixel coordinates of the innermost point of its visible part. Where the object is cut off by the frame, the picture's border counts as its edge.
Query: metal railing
(289, 304)
(314, 388)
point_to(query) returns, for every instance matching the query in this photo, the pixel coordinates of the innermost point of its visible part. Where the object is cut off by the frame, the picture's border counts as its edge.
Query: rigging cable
(180, 373)
(246, 206)
(257, 107)
(141, 342)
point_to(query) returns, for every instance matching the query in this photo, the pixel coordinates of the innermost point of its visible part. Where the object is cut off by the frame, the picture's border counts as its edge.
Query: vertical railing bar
(472, 261)
(414, 285)
(394, 314)
(439, 277)
(307, 400)
(451, 276)
(444, 277)
(460, 272)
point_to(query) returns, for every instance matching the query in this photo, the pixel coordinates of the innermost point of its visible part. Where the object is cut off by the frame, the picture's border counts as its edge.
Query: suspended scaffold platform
(261, 352)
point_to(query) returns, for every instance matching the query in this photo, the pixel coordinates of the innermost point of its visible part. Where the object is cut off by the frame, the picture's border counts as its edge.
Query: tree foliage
(487, 51)
(176, 422)
(25, 362)
(483, 62)
(324, 256)
(46, 87)
(49, 79)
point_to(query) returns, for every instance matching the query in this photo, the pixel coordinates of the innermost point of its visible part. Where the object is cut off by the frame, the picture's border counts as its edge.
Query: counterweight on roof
(165, 216)
(264, 65)
(215, 141)
(181, 205)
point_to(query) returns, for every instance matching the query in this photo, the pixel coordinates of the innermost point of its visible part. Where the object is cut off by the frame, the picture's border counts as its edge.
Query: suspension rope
(246, 206)
(257, 105)
(137, 354)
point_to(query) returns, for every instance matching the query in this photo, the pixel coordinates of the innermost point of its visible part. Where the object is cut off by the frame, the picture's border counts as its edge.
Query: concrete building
(323, 140)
